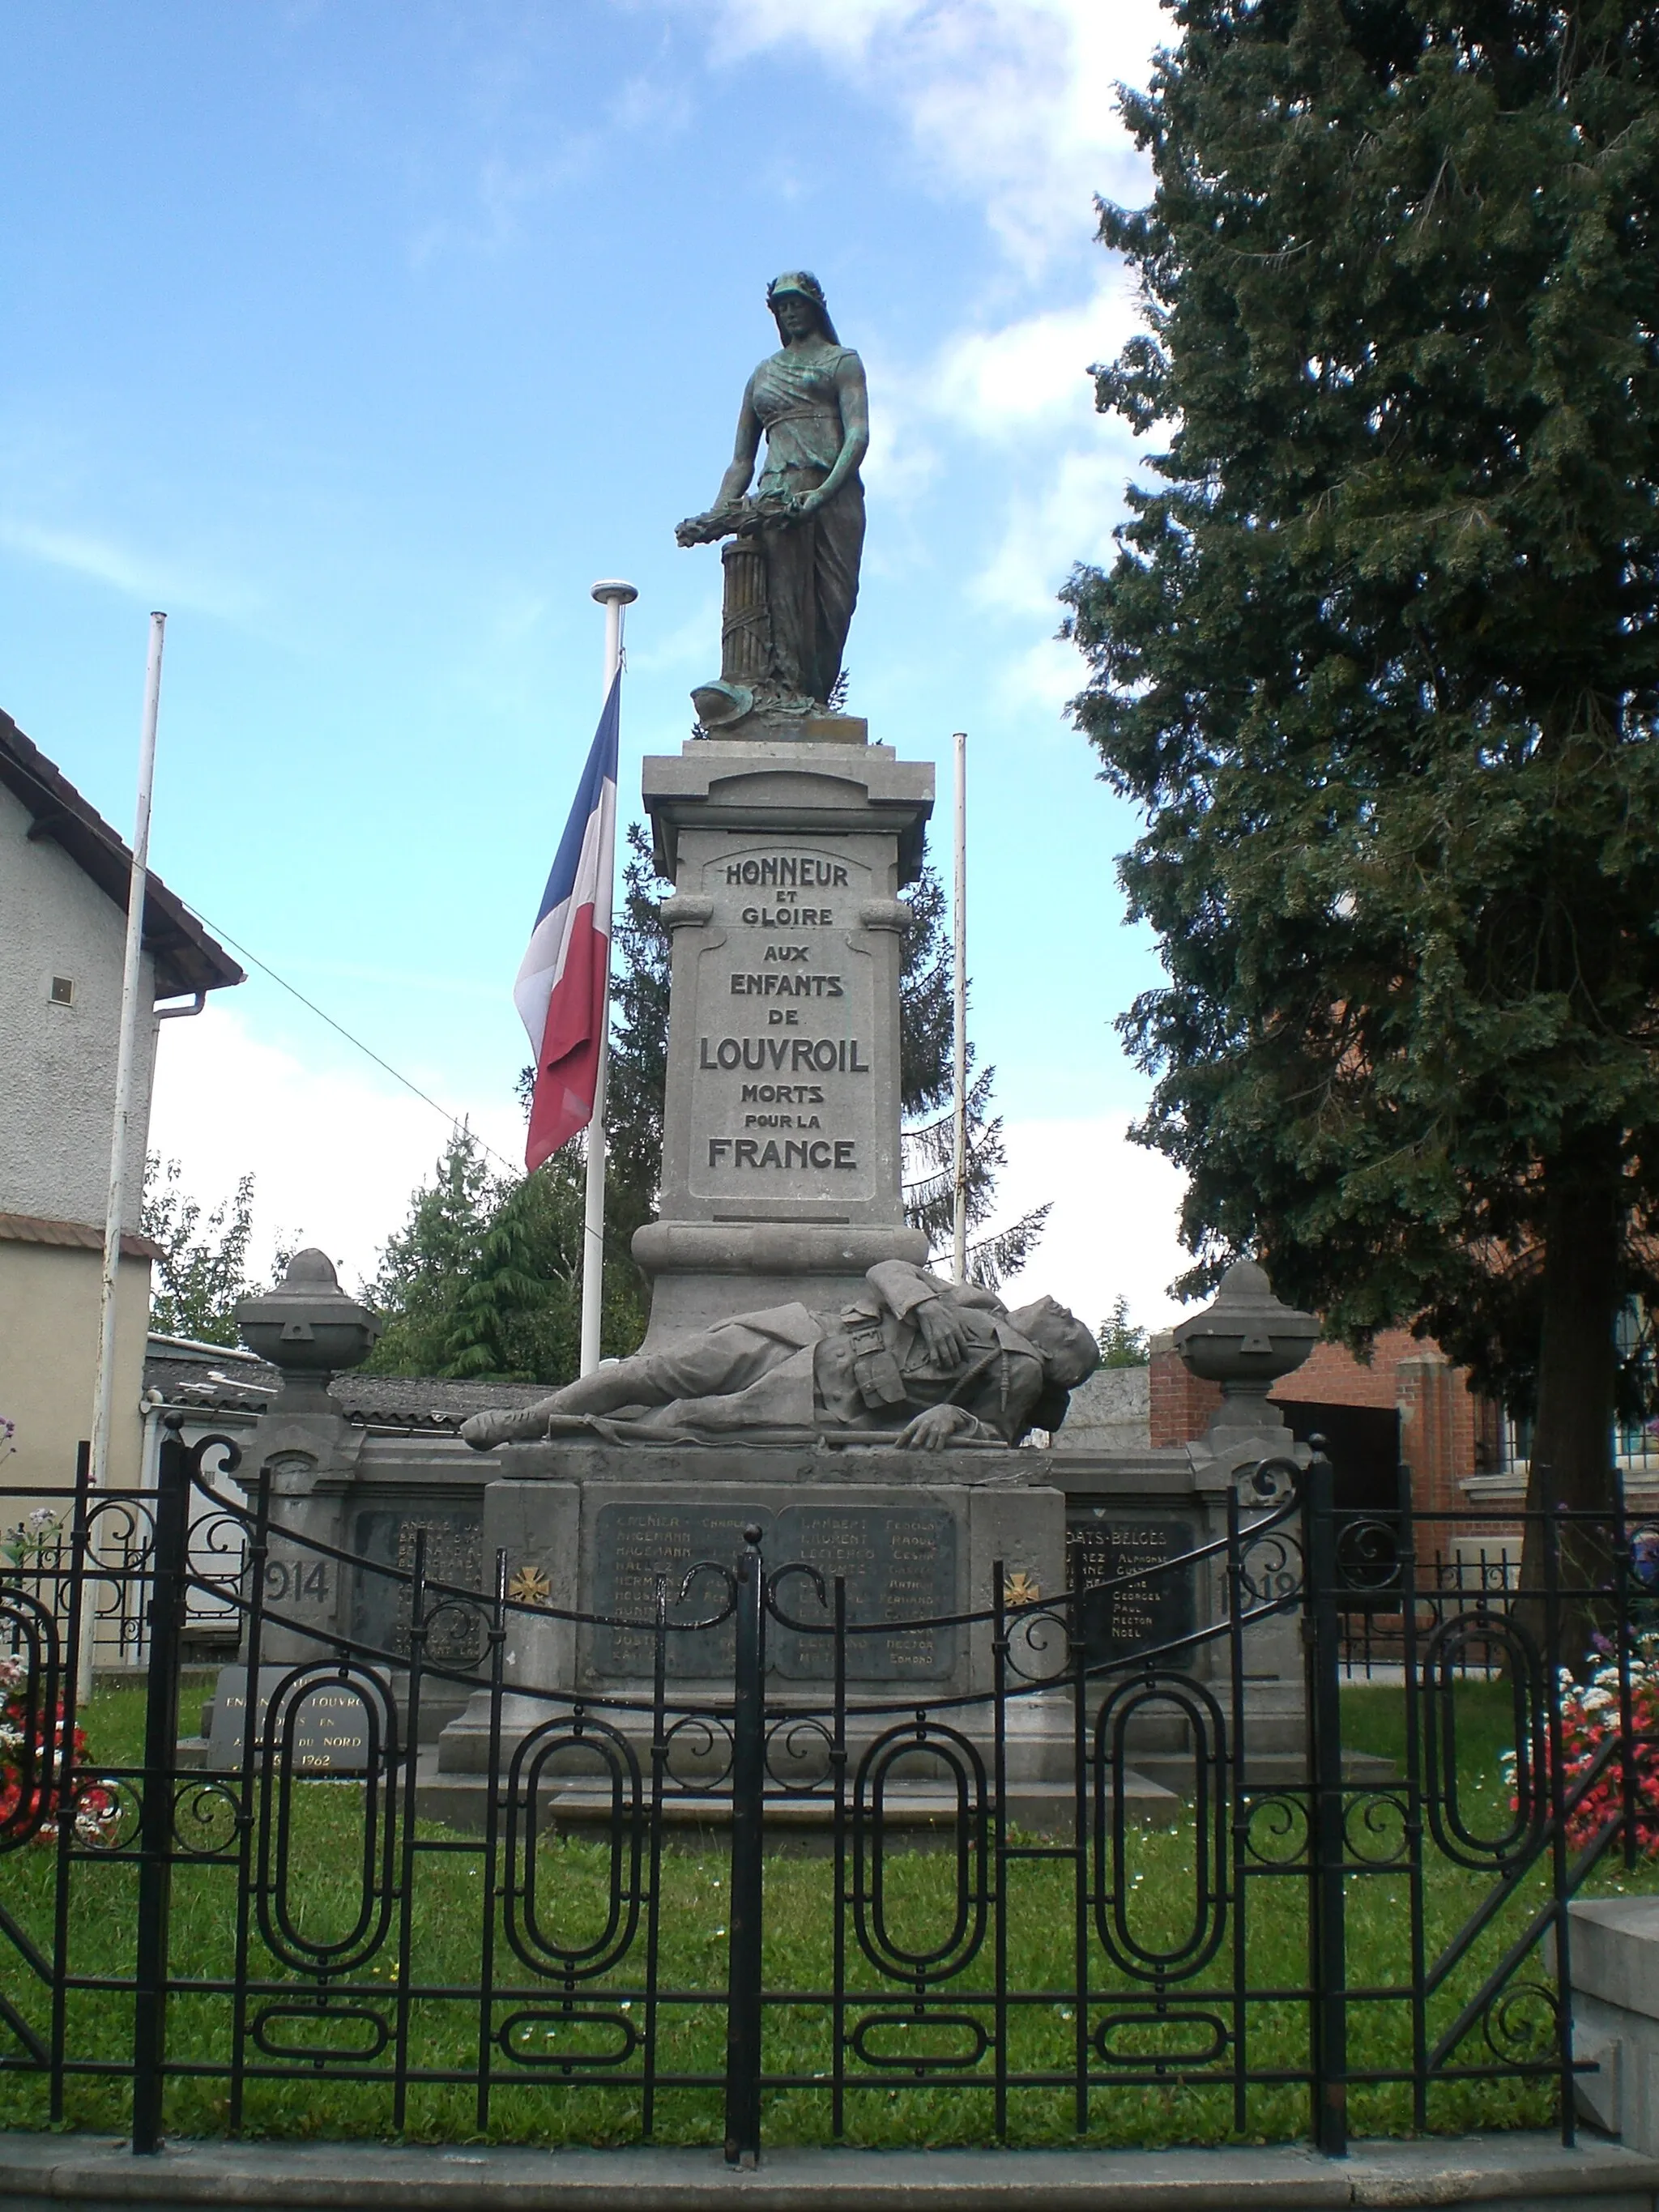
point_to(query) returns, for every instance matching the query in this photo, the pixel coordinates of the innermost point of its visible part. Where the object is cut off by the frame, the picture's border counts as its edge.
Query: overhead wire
(455, 1121)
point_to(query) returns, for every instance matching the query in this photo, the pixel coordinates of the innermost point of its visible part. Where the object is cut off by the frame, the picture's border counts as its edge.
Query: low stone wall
(1615, 2015)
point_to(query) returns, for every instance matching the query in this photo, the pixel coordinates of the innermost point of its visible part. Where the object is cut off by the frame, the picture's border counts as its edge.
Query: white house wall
(57, 1083)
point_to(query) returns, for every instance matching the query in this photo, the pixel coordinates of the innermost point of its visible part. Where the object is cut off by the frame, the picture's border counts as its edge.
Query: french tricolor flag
(564, 979)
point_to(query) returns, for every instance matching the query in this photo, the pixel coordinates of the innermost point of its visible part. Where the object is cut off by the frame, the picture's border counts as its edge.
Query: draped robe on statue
(812, 566)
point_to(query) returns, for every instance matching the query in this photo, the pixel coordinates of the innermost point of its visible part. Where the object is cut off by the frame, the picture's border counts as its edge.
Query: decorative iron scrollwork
(1277, 1828)
(1368, 1553)
(1521, 2023)
(327, 2017)
(800, 1753)
(1445, 1658)
(1039, 1646)
(207, 1818)
(1376, 1827)
(918, 2023)
(526, 2036)
(697, 1753)
(282, 1773)
(1147, 2027)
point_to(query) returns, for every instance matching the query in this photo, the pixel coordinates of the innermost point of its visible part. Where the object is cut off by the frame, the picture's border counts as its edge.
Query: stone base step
(1269, 1770)
(461, 1801)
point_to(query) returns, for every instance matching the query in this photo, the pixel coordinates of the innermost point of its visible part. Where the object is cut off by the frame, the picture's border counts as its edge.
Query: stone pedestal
(337, 1483)
(780, 1156)
(588, 1527)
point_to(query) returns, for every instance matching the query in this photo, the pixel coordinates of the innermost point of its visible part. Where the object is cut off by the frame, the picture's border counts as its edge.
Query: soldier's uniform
(780, 1369)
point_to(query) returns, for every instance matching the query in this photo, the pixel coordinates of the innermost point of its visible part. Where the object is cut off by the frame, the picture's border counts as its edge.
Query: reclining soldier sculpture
(929, 1362)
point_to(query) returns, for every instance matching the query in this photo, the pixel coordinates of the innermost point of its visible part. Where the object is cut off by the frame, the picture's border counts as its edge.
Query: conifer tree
(426, 1265)
(1377, 657)
(926, 1036)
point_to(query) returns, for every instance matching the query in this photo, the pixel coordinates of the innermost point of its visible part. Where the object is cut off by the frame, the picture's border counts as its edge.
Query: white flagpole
(125, 1055)
(960, 1241)
(613, 596)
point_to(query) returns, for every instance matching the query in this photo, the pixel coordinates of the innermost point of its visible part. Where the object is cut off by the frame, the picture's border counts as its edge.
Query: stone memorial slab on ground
(330, 1728)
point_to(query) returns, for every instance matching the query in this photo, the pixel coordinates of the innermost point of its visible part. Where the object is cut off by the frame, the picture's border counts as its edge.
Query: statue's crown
(796, 280)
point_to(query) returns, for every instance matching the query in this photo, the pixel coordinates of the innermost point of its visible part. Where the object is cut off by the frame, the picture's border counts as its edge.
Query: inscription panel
(782, 1094)
(1102, 1543)
(636, 1543)
(381, 1605)
(331, 1730)
(899, 1562)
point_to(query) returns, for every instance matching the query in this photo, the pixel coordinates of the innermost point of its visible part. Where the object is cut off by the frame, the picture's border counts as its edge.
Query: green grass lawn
(539, 2102)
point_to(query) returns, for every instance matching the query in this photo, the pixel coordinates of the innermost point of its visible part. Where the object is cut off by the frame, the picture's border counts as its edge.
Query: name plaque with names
(899, 1564)
(633, 1544)
(330, 1724)
(386, 1538)
(1104, 1543)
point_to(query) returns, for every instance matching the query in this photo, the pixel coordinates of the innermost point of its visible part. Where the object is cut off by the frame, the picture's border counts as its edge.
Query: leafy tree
(1121, 1344)
(485, 1279)
(1377, 657)
(203, 1270)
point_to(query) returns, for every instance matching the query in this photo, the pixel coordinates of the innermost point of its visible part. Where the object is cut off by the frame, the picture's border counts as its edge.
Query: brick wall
(1179, 1404)
(1442, 1426)
(1436, 1431)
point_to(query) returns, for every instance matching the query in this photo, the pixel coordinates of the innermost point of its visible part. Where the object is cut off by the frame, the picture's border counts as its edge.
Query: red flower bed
(1589, 1735)
(31, 1754)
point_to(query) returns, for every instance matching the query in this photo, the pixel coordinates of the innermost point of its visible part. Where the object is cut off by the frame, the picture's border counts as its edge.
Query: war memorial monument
(805, 1374)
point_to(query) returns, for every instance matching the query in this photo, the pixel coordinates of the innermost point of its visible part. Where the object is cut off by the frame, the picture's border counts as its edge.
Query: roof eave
(187, 959)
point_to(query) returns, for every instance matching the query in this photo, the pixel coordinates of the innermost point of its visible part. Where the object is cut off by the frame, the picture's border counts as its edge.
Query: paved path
(1495, 2173)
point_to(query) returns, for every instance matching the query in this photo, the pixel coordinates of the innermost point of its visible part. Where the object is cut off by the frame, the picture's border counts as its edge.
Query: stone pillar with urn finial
(1247, 1339)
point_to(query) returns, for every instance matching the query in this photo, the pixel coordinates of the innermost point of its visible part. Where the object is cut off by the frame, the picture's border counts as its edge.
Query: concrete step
(461, 1801)
(1503, 2173)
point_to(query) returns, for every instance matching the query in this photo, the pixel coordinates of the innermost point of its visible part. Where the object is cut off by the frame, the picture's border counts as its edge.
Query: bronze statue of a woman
(791, 571)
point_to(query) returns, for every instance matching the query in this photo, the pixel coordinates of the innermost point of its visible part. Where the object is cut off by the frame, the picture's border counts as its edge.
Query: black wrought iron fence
(1460, 1567)
(297, 1914)
(38, 1554)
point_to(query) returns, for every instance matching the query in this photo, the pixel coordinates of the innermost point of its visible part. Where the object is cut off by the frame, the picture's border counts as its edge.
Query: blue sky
(362, 338)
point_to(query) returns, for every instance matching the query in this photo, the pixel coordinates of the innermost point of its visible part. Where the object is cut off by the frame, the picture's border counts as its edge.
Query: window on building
(62, 993)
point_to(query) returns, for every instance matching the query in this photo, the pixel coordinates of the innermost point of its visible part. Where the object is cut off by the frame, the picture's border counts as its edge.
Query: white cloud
(505, 194)
(1009, 101)
(1114, 1229)
(335, 1155)
(1067, 518)
(1035, 371)
(154, 577)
